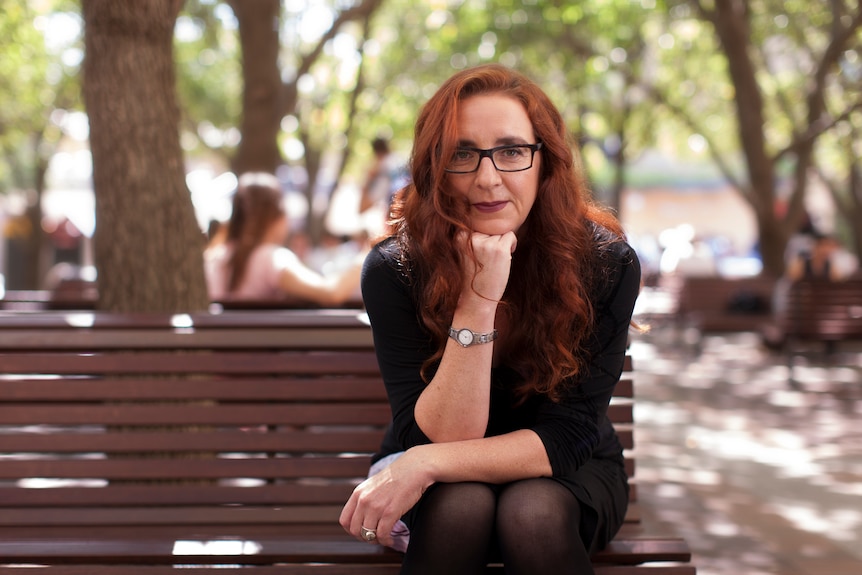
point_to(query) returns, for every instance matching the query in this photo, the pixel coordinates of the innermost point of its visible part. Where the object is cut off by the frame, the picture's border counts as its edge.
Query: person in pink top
(250, 261)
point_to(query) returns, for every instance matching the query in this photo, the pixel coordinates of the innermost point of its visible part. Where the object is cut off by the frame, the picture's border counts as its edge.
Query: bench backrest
(243, 419)
(719, 294)
(824, 309)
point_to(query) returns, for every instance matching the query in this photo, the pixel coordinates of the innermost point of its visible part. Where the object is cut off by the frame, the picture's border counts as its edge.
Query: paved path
(760, 477)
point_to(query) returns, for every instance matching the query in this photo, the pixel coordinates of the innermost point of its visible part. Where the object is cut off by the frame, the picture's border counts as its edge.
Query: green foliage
(651, 71)
(209, 79)
(40, 51)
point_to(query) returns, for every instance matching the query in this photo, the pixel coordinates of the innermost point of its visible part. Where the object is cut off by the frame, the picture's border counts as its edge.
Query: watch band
(467, 337)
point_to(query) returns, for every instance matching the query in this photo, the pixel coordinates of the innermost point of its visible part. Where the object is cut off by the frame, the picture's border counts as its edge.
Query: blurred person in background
(247, 259)
(825, 258)
(385, 177)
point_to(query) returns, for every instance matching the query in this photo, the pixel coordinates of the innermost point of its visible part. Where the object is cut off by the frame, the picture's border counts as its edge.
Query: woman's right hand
(379, 502)
(489, 274)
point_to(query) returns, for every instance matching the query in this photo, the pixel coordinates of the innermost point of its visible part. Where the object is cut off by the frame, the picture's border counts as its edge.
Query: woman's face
(499, 201)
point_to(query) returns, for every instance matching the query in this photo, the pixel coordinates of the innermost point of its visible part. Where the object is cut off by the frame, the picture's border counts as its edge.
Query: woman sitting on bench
(500, 308)
(247, 260)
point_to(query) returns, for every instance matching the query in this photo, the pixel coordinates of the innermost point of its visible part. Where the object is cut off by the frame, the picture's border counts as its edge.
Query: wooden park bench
(138, 444)
(821, 313)
(713, 304)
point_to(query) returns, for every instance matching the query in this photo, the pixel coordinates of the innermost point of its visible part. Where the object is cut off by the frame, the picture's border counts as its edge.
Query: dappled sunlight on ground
(762, 475)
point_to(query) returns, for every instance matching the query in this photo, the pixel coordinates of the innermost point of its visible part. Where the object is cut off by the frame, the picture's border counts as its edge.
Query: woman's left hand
(488, 274)
(379, 502)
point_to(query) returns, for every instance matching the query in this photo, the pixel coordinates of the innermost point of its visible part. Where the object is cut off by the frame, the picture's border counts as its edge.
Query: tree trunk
(855, 218)
(261, 106)
(148, 245)
(732, 28)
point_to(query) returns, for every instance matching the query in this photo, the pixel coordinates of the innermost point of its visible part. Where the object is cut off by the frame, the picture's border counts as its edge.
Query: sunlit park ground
(761, 476)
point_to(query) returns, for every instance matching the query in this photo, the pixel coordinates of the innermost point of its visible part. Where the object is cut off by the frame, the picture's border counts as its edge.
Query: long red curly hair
(555, 263)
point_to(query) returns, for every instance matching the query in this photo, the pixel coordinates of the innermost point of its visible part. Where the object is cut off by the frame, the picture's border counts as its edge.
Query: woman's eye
(513, 152)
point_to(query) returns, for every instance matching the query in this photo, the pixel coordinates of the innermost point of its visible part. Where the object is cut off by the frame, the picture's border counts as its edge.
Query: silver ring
(367, 534)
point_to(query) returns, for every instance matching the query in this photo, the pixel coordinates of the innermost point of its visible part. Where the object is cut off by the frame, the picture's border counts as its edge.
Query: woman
(500, 308)
(251, 262)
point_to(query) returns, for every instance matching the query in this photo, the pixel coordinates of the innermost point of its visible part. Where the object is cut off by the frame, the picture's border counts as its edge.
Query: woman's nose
(487, 174)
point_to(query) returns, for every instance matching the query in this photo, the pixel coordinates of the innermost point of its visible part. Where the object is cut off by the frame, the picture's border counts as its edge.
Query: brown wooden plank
(164, 494)
(232, 569)
(229, 320)
(197, 413)
(629, 530)
(338, 388)
(167, 494)
(167, 468)
(143, 339)
(624, 387)
(315, 569)
(129, 363)
(186, 468)
(625, 432)
(343, 387)
(318, 440)
(207, 522)
(189, 515)
(296, 550)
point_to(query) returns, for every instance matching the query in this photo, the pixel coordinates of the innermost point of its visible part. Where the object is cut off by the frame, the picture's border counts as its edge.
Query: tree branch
(359, 12)
(816, 129)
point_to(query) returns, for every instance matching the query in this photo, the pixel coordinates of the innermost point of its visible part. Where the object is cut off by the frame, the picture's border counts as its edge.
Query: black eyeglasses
(509, 158)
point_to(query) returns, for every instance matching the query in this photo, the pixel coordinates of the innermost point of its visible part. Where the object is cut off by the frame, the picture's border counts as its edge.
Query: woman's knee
(537, 506)
(457, 503)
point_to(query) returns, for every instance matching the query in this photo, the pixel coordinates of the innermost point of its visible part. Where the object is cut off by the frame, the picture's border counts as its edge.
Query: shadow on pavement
(759, 475)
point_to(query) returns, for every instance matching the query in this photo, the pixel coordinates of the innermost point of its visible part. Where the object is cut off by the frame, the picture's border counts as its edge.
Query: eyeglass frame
(489, 153)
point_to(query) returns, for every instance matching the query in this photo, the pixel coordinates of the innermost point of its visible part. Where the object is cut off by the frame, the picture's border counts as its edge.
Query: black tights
(531, 525)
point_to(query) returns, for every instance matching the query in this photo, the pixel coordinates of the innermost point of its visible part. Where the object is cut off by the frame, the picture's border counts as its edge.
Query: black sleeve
(401, 343)
(577, 428)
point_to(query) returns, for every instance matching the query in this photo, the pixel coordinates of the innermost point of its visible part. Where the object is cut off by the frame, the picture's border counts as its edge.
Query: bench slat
(187, 468)
(319, 440)
(184, 413)
(310, 338)
(316, 569)
(234, 515)
(326, 388)
(299, 319)
(292, 548)
(216, 414)
(129, 468)
(179, 495)
(225, 362)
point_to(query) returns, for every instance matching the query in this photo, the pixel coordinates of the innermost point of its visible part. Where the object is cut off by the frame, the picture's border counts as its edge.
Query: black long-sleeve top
(573, 429)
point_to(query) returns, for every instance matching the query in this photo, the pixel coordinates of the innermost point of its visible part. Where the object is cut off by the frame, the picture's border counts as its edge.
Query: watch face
(465, 337)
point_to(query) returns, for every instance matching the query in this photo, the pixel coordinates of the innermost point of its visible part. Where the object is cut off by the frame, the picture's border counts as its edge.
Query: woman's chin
(494, 228)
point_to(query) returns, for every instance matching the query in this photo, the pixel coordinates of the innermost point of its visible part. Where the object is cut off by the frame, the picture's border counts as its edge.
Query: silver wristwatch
(467, 337)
